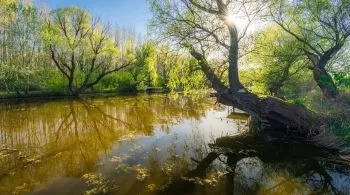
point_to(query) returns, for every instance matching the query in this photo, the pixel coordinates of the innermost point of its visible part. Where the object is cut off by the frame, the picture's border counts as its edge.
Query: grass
(337, 113)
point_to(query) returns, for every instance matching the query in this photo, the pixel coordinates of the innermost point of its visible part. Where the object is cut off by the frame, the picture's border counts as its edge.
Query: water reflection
(154, 145)
(266, 165)
(47, 140)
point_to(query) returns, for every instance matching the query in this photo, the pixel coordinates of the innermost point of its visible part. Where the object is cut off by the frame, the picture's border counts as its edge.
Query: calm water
(146, 145)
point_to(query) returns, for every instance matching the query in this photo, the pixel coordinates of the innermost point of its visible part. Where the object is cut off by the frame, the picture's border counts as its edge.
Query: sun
(230, 18)
(239, 22)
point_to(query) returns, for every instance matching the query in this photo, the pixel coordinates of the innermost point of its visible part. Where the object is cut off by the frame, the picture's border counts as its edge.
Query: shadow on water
(268, 165)
(155, 145)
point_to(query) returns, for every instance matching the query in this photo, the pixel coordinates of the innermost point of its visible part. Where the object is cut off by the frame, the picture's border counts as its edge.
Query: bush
(124, 82)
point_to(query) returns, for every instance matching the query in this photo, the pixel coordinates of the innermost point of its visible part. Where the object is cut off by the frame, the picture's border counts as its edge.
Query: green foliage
(125, 82)
(320, 15)
(54, 82)
(81, 48)
(68, 46)
(342, 79)
(21, 64)
(7, 11)
(338, 115)
(186, 75)
(277, 62)
(145, 69)
(340, 126)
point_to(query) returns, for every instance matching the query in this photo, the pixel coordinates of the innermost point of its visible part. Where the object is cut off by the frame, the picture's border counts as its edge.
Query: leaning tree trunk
(274, 114)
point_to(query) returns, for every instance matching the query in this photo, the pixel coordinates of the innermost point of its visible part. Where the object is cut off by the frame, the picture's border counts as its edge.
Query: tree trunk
(325, 82)
(235, 84)
(274, 114)
(208, 72)
(322, 77)
(70, 87)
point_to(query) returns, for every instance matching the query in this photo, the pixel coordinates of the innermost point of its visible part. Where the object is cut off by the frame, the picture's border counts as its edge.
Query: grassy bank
(337, 112)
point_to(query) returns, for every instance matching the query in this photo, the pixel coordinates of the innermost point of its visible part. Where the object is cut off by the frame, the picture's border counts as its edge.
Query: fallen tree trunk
(269, 113)
(274, 114)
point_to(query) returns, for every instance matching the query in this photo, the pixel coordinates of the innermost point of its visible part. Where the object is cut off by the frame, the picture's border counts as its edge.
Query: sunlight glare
(230, 18)
(236, 20)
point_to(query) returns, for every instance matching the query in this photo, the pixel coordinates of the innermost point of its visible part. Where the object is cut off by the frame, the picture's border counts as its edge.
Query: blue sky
(125, 13)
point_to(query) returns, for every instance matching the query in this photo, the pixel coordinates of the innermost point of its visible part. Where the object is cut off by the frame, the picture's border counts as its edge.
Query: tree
(199, 24)
(7, 11)
(207, 29)
(276, 59)
(322, 36)
(81, 48)
(143, 72)
(185, 74)
(146, 58)
(166, 59)
(22, 56)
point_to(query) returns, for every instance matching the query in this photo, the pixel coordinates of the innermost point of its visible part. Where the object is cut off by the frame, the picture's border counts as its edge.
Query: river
(146, 144)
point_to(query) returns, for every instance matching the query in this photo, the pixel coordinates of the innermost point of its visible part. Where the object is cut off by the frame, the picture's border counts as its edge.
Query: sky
(125, 13)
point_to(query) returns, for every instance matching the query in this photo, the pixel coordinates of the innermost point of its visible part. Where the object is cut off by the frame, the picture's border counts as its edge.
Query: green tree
(82, 49)
(321, 37)
(22, 56)
(210, 30)
(145, 70)
(185, 74)
(276, 59)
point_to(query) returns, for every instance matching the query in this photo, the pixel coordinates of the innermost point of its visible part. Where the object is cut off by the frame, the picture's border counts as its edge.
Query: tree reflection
(265, 165)
(39, 141)
(96, 140)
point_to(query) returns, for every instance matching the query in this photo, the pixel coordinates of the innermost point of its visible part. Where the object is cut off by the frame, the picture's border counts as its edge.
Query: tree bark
(322, 77)
(235, 84)
(209, 73)
(70, 86)
(325, 82)
(274, 114)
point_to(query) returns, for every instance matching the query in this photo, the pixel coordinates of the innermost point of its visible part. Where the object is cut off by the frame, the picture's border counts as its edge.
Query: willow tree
(322, 28)
(81, 48)
(211, 29)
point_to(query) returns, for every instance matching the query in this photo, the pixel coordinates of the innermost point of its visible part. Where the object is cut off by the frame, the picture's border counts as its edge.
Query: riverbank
(59, 95)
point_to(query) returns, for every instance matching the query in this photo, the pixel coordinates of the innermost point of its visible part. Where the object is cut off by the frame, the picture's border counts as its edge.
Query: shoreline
(41, 94)
(37, 96)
